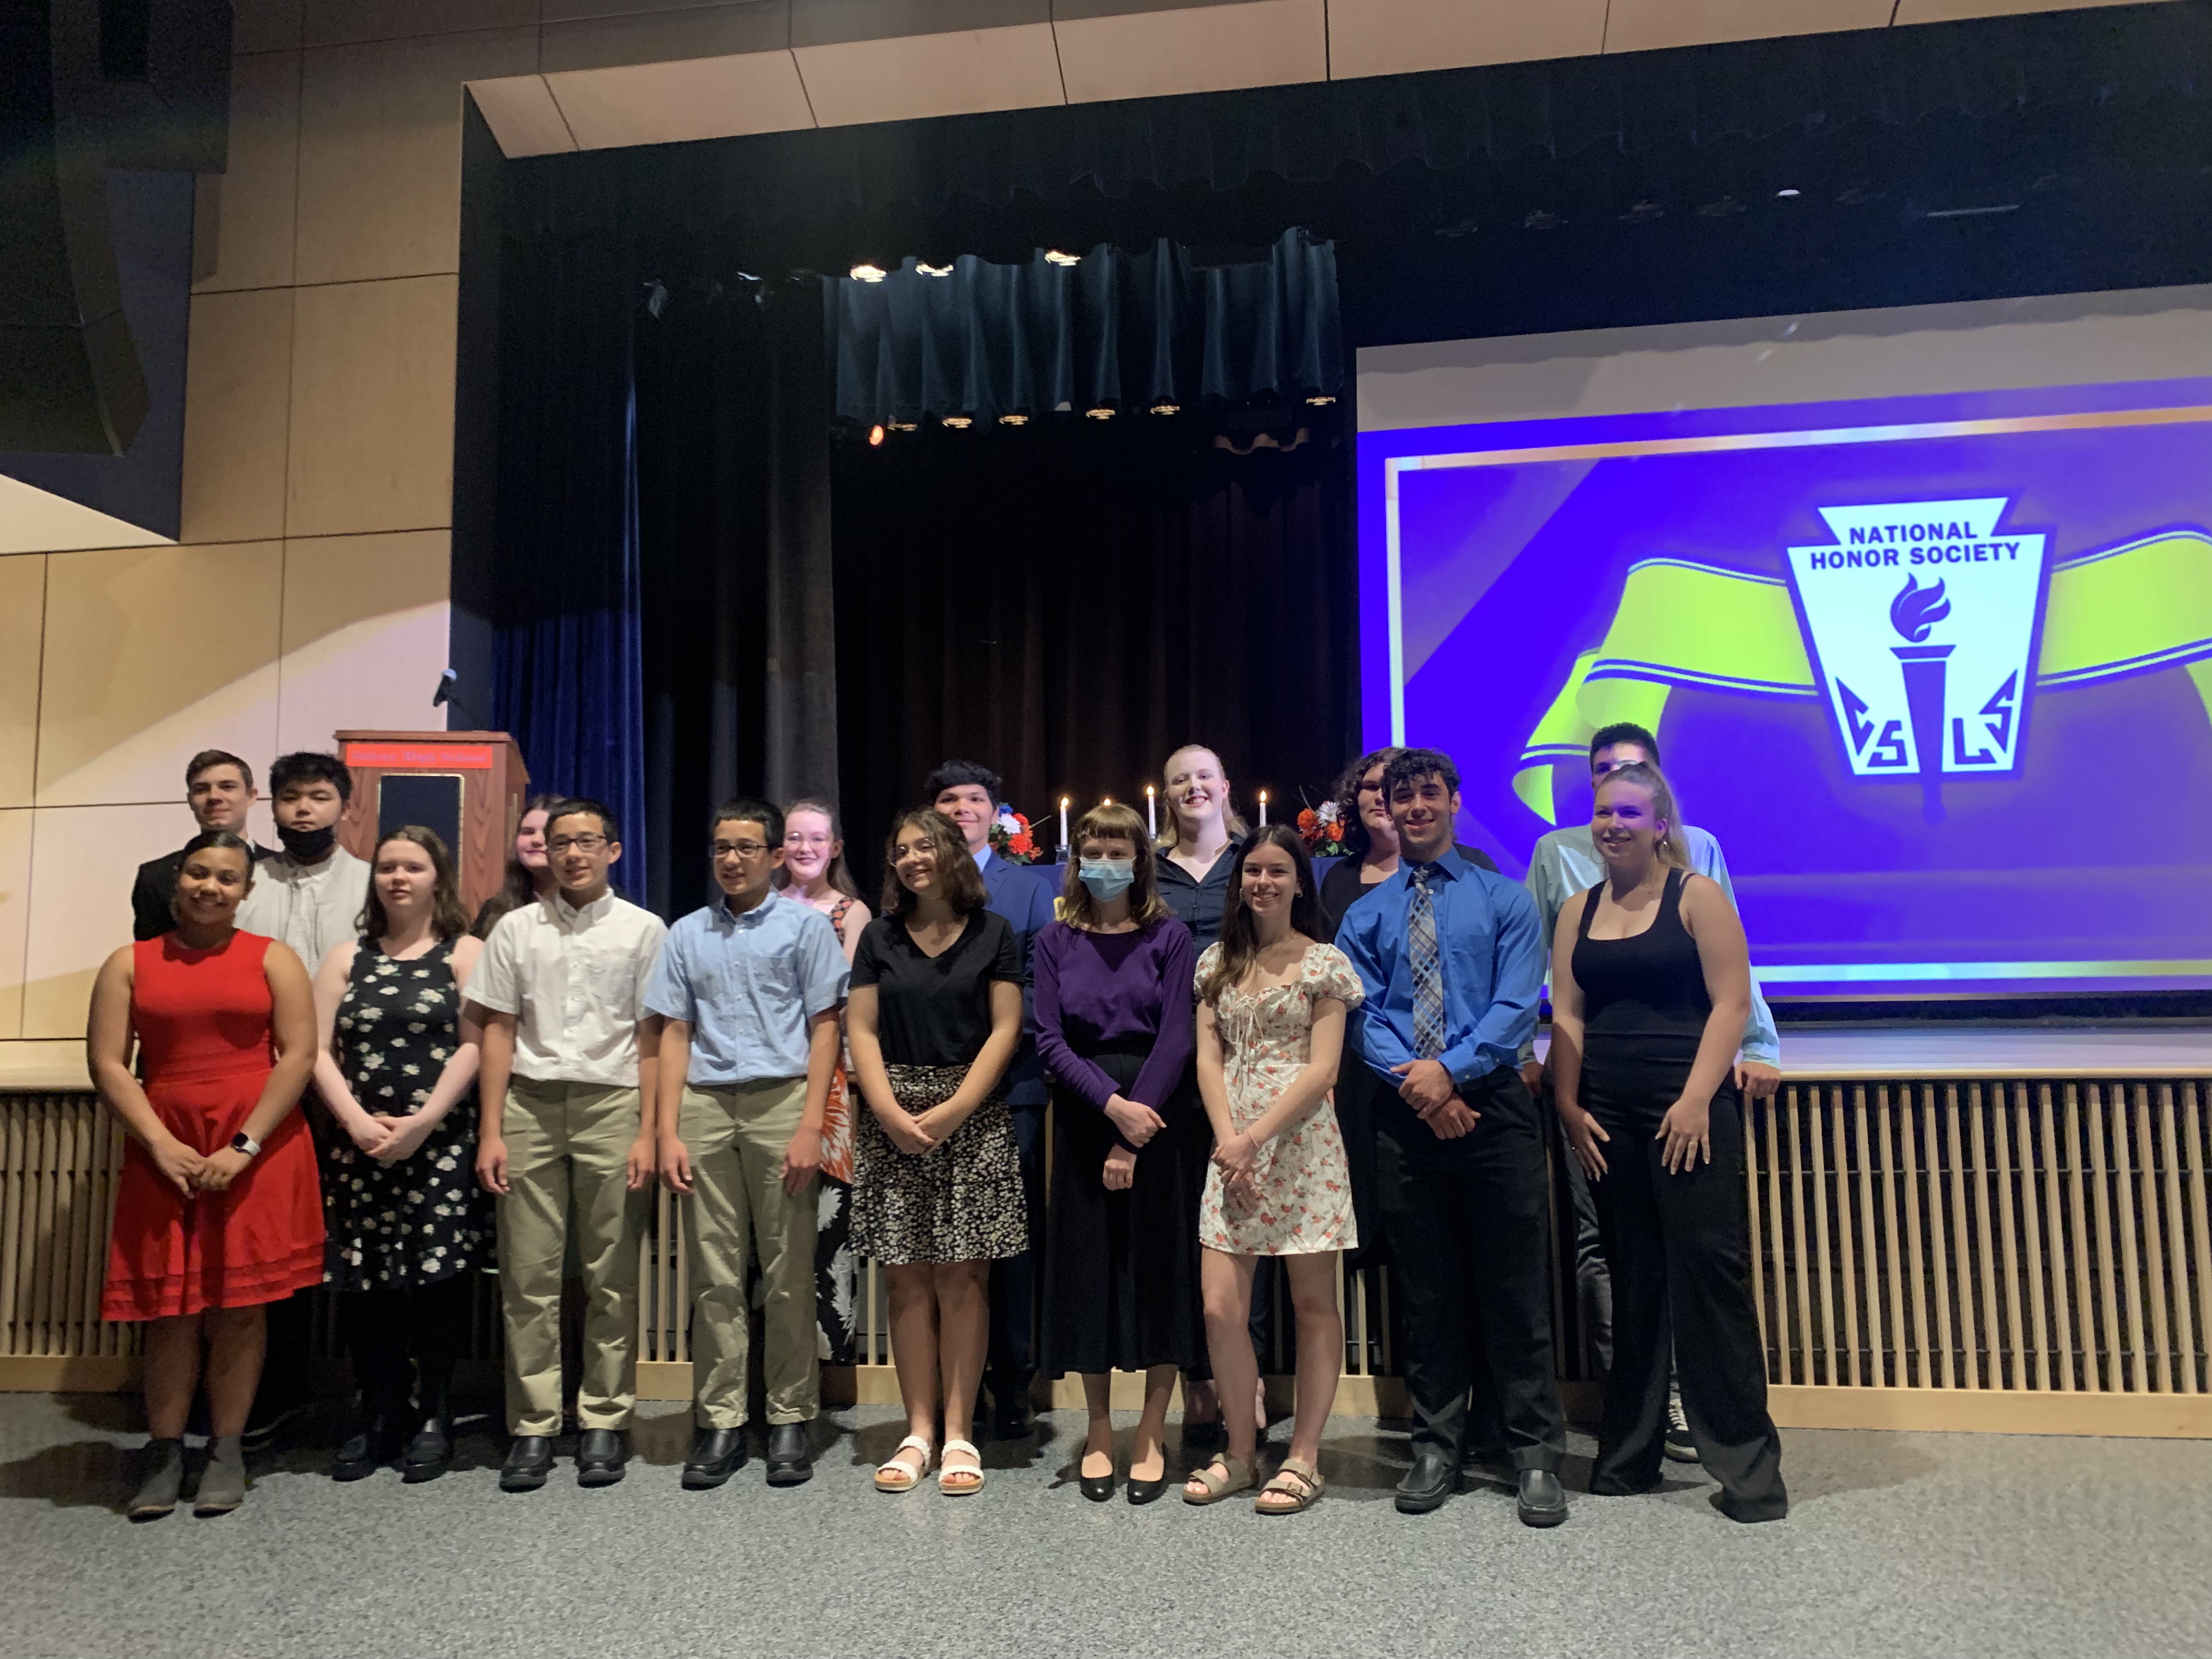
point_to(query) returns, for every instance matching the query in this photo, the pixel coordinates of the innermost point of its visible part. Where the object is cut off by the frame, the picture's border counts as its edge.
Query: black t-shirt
(935, 1011)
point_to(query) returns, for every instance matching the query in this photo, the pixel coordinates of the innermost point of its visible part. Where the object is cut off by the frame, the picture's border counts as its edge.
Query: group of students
(1248, 1071)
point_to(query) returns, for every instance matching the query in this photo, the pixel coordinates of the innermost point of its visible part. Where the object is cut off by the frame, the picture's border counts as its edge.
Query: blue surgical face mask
(1107, 878)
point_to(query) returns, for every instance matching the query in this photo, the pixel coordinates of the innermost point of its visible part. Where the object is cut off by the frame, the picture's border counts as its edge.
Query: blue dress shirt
(747, 985)
(1022, 894)
(1490, 943)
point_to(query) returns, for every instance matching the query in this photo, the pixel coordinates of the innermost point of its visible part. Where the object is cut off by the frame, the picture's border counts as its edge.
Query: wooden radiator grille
(2007, 1235)
(60, 1155)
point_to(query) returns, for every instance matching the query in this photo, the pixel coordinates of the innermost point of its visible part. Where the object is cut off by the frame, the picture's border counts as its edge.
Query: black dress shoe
(1012, 1421)
(430, 1453)
(1433, 1478)
(1144, 1491)
(715, 1456)
(1541, 1500)
(529, 1463)
(790, 1458)
(1096, 1488)
(376, 1444)
(601, 1456)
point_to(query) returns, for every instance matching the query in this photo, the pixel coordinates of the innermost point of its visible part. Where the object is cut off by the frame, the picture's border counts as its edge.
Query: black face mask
(308, 846)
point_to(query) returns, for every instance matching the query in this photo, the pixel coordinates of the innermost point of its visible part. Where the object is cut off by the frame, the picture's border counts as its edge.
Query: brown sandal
(1237, 1477)
(1297, 1481)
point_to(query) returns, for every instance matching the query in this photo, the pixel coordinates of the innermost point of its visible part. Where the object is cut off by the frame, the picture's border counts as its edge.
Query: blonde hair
(1231, 819)
(1649, 778)
(1116, 822)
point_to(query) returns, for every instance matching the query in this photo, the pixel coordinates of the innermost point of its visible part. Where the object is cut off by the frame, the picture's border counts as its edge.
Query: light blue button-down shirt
(1567, 861)
(1490, 943)
(747, 985)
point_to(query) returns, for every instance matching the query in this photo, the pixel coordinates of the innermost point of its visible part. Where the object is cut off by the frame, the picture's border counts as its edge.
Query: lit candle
(1063, 820)
(1152, 812)
(1263, 809)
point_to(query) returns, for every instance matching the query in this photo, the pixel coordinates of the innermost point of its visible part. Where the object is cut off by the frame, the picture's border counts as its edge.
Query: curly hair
(1347, 798)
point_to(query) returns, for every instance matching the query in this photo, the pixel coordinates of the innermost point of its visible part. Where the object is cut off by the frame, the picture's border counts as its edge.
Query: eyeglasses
(581, 843)
(744, 849)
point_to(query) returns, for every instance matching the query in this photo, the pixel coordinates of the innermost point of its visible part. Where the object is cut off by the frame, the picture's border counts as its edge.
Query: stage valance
(1112, 331)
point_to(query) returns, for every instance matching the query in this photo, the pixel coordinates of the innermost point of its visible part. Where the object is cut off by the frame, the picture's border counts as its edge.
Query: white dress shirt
(310, 907)
(575, 982)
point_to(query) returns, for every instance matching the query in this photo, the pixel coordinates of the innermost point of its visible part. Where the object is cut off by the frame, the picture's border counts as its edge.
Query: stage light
(1786, 194)
(1167, 409)
(904, 426)
(1054, 256)
(934, 270)
(1101, 413)
(1321, 399)
(958, 422)
(875, 436)
(868, 273)
(1013, 420)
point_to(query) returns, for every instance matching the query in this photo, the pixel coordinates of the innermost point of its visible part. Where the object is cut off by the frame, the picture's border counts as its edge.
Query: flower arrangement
(1010, 839)
(1321, 828)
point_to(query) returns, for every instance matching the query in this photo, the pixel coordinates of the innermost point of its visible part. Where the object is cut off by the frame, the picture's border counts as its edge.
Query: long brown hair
(448, 919)
(1649, 777)
(962, 881)
(1240, 934)
(1231, 819)
(1077, 909)
(838, 879)
(518, 889)
(1356, 838)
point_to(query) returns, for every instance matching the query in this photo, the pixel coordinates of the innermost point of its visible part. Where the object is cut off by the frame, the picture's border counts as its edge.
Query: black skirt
(1122, 1267)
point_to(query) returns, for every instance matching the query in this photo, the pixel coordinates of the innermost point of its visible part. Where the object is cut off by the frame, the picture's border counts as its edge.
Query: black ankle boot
(376, 1443)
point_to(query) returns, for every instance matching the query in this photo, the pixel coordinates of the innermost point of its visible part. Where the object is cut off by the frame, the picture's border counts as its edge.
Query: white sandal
(944, 1474)
(895, 1476)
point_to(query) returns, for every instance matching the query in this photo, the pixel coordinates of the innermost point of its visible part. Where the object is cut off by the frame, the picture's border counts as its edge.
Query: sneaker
(1679, 1446)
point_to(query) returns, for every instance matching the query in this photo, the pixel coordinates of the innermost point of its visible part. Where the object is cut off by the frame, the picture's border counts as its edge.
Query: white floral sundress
(1304, 1201)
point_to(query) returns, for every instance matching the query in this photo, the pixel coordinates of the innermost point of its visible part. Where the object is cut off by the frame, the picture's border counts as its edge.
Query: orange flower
(1307, 818)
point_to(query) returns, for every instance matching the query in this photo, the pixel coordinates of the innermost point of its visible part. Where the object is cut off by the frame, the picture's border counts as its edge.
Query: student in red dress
(218, 1212)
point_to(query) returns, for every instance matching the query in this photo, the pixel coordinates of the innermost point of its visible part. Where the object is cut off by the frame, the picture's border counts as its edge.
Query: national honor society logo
(1921, 616)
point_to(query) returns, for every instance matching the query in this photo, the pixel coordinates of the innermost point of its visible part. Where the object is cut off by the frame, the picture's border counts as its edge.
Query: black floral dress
(422, 1219)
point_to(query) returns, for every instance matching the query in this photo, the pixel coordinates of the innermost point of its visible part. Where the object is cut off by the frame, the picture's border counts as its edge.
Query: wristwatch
(243, 1142)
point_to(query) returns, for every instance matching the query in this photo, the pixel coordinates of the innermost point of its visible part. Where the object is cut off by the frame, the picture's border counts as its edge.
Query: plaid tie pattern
(1428, 967)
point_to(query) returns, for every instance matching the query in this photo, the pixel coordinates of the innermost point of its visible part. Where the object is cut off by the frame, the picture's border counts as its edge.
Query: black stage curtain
(1068, 603)
(733, 462)
(1115, 331)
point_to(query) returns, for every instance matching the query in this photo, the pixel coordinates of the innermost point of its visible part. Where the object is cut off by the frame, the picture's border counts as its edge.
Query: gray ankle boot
(223, 1483)
(161, 1478)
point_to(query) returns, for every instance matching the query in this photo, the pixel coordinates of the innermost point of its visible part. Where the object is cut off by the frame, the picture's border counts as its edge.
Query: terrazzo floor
(1899, 1545)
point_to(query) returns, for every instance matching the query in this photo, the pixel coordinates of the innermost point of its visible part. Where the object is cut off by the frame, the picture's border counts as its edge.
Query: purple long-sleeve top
(1093, 990)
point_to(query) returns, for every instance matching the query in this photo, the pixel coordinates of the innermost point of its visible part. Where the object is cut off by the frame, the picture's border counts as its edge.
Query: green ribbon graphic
(2142, 605)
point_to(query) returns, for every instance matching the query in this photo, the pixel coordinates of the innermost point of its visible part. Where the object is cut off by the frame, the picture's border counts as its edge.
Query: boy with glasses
(748, 989)
(566, 1098)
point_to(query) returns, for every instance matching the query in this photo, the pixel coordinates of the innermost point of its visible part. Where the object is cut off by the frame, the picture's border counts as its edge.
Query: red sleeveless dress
(203, 1022)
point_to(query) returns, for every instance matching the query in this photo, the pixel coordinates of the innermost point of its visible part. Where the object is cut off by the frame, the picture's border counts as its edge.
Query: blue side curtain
(1120, 330)
(566, 664)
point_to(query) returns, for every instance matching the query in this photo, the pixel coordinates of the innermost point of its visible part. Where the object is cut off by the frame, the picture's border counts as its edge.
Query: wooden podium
(467, 785)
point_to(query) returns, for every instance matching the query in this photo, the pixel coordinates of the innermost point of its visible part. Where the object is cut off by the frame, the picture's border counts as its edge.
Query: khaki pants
(735, 1137)
(568, 1152)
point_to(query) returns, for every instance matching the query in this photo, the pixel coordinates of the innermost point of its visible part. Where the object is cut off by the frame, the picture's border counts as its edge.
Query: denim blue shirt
(1491, 943)
(747, 985)
(1566, 861)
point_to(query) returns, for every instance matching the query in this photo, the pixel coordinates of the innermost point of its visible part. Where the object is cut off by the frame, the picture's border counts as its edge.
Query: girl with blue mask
(1115, 1025)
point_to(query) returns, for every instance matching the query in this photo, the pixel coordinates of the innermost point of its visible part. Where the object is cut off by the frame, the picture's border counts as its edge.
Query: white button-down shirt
(311, 907)
(574, 980)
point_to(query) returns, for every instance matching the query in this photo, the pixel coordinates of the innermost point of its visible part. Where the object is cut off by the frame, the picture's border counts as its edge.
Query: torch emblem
(1923, 618)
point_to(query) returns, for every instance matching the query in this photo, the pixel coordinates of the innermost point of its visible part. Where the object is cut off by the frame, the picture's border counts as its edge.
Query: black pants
(1470, 1258)
(384, 1330)
(1677, 1245)
(1010, 1360)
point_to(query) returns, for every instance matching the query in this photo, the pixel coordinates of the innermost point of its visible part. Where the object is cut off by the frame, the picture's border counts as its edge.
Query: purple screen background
(2095, 850)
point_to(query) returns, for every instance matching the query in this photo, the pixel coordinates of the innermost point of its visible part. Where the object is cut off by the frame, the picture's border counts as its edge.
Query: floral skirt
(959, 1201)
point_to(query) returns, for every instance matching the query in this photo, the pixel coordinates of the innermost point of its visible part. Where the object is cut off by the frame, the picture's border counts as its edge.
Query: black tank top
(1643, 996)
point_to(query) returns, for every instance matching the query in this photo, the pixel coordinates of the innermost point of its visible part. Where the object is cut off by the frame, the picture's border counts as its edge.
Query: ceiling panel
(962, 73)
(669, 103)
(1152, 54)
(1402, 37)
(1648, 24)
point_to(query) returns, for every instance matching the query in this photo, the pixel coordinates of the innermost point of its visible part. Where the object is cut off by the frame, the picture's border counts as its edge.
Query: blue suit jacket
(1022, 895)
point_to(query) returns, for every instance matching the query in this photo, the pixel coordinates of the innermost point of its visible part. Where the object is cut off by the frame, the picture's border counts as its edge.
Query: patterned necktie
(1428, 967)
